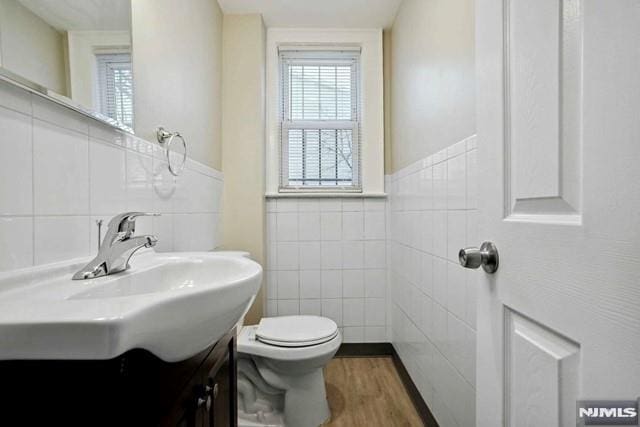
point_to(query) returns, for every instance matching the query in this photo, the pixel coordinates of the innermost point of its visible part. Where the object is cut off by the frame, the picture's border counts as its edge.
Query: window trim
(335, 55)
(371, 132)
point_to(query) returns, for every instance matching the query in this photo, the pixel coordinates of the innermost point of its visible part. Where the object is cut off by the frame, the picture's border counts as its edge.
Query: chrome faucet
(118, 246)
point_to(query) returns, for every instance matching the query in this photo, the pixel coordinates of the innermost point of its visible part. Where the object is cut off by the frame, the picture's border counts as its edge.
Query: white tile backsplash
(59, 238)
(16, 177)
(16, 242)
(62, 171)
(432, 214)
(107, 178)
(341, 262)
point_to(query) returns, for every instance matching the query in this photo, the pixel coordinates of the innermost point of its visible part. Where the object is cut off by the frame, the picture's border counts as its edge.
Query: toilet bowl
(280, 371)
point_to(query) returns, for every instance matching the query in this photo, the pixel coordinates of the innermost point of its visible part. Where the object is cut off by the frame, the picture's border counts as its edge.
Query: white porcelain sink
(174, 305)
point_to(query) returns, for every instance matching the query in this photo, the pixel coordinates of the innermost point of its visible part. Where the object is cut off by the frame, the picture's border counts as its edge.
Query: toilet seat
(296, 331)
(249, 344)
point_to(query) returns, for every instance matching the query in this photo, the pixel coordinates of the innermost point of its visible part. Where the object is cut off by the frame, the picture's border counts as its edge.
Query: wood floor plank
(367, 392)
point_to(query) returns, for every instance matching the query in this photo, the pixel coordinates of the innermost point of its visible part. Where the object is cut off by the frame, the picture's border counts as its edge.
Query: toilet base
(260, 420)
(300, 402)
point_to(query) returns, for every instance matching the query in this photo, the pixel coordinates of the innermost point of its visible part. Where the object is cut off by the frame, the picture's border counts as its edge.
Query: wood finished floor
(367, 392)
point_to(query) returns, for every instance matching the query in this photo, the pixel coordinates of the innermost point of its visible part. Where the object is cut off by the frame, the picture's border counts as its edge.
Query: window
(320, 120)
(115, 87)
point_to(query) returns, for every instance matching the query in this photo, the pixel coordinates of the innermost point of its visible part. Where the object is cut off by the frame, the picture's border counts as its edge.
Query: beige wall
(433, 86)
(31, 48)
(177, 43)
(243, 140)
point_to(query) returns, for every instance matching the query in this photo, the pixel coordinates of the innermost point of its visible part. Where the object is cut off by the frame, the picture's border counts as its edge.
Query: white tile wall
(62, 172)
(432, 212)
(328, 257)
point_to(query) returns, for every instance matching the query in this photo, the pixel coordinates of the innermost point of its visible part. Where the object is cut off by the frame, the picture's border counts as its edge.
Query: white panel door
(559, 144)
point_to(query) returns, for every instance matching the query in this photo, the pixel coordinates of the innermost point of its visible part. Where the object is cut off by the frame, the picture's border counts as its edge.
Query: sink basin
(172, 304)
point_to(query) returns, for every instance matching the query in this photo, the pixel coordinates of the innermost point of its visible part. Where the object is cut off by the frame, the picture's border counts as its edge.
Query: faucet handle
(125, 222)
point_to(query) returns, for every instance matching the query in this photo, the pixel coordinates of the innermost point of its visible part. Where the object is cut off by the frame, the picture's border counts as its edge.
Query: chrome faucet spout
(117, 248)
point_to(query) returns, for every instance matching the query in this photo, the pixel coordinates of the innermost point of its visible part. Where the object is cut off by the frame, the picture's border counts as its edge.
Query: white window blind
(115, 87)
(320, 120)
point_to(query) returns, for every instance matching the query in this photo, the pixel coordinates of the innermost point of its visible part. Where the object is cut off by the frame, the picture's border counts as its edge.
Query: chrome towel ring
(166, 138)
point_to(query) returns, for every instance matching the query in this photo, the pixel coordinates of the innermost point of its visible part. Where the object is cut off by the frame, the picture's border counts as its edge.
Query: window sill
(325, 195)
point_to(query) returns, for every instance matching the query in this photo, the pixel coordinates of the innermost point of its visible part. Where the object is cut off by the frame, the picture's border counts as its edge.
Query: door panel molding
(541, 372)
(543, 110)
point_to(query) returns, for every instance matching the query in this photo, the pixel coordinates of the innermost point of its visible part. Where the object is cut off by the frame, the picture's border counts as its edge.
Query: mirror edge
(35, 88)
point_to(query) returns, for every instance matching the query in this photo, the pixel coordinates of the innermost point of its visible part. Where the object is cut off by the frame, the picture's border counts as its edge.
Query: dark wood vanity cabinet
(134, 389)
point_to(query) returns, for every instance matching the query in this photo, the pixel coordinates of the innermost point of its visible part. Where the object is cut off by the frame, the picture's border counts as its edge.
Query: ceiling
(318, 13)
(105, 15)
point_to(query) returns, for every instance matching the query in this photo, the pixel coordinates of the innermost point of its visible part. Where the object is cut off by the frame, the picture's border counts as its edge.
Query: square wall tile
(353, 334)
(352, 225)
(456, 290)
(16, 172)
(352, 205)
(49, 111)
(353, 312)
(309, 257)
(332, 308)
(456, 233)
(331, 226)
(16, 242)
(375, 312)
(375, 254)
(287, 255)
(61, 171)
(288, 285)
(331, 255)
(108, 186)
(374, 225)
(288, 307)
(472, 180)
(310, 284)
(352, 254)
(375, 283)
(309, 226)
(163, 230)
(271, 284)
(331, 284)
(59, 238)
(194, 232)
(353, 283)
(311, 307)
(287, 226)
(139, 182)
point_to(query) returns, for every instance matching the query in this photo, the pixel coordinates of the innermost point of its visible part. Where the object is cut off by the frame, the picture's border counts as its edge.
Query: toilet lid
(296, 331)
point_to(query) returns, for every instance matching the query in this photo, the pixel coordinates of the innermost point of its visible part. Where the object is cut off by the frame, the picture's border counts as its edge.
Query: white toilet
(280, 377)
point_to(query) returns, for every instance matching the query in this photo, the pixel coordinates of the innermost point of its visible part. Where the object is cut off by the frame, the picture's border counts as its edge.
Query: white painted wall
(243, 140)
(63, 171)
(177, 68)
(433, 83)
(31, 48)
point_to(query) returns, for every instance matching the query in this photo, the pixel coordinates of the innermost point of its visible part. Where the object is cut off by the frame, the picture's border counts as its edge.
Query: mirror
(77, 52)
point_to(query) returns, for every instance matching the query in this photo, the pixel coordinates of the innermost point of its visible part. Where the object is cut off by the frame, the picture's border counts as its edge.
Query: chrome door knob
(486, 256)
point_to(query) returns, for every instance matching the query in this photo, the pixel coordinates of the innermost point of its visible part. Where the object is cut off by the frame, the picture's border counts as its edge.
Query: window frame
(320, 56)
(102, 67)
(371, 132)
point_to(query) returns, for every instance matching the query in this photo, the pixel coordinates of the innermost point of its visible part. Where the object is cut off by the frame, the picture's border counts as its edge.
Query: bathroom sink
(173, 305)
